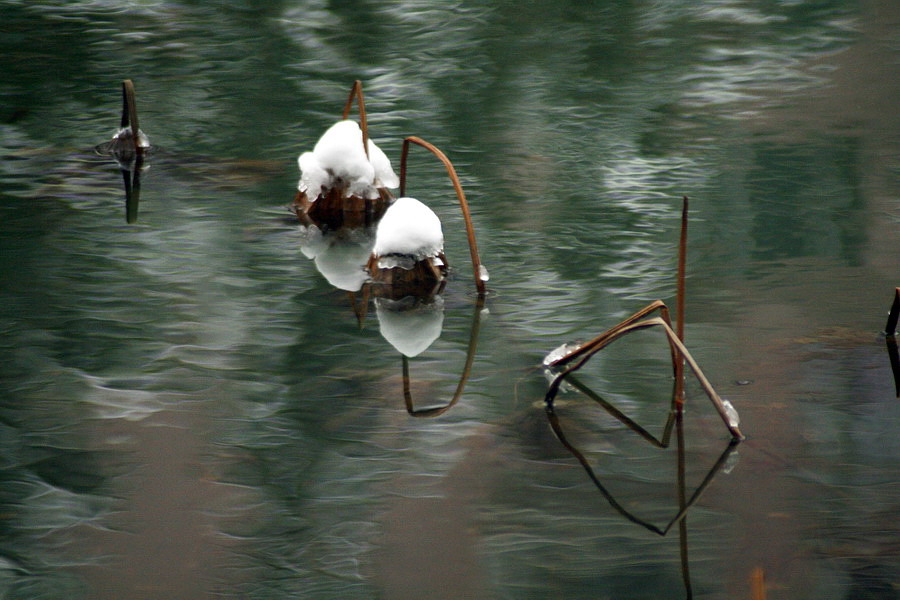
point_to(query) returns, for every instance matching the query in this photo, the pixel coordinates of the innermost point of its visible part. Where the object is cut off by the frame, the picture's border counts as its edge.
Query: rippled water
(189, 409)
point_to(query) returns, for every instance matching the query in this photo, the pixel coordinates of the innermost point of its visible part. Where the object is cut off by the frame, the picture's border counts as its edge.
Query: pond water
(190, 409)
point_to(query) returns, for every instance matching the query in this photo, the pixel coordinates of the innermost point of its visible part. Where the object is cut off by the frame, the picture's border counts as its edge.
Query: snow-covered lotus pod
(339, 161)
(409, 228)
(409, 249)
(410, 326)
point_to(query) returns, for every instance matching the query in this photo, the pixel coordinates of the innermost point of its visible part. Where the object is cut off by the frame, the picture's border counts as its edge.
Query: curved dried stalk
(464, 206)
(129, 114)
(589, 347)
(620, 331)
(464, 377)
(356, 92)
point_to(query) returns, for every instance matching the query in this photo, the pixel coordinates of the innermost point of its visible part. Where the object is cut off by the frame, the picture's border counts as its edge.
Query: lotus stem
(129, 114)
(464, 206)
(679, 306)
(356, 92)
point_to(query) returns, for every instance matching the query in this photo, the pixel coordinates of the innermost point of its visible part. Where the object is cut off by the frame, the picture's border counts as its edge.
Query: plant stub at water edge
(890, 331)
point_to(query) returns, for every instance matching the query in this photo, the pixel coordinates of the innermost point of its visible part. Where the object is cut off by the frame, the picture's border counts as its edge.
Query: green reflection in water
(576, 129)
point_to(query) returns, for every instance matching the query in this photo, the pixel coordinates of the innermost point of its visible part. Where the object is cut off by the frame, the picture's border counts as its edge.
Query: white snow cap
(411, 228)
(411, 332)
(339, 154)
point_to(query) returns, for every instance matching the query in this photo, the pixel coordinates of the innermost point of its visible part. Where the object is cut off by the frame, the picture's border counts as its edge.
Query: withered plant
(429, 273)
(334, 208)
(129, 147)
(577, 358)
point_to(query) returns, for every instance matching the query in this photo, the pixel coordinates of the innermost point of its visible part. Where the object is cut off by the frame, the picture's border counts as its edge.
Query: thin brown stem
(588, 347)
(464, 206)
(129, 114)
(356, 92)
(679, 306)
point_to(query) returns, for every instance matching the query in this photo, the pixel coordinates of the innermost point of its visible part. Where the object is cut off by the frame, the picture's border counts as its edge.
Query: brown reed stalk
(129, 114)
(464, 206)
(679, 304)
(588, 347)
(356, 92)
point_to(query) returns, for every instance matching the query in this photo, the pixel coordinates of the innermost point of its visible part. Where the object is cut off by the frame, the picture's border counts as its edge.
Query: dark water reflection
(189, 409)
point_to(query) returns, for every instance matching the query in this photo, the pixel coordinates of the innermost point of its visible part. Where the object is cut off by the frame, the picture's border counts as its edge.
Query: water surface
(191, 410)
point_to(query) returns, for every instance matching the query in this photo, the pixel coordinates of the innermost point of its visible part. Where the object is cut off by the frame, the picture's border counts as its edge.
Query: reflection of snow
(411, 330)
(341, 256)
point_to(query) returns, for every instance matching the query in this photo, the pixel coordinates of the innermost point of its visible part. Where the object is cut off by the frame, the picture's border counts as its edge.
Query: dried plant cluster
(345, 183)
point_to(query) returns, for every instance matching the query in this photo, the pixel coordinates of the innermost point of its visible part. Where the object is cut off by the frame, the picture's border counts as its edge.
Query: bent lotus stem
(601, 340)
(464, 206)
(356, 92)
(129, 114)
(673, 340)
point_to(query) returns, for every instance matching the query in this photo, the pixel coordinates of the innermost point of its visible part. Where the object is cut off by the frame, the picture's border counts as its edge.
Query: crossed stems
(464, 206)
(633, 323)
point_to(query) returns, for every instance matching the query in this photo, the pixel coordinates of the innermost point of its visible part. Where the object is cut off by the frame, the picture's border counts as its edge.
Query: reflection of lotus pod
(409, 325)
(340, 256)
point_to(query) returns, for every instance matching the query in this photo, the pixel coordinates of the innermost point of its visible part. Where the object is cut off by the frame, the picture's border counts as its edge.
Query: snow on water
(339, 155)
(409, 227)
